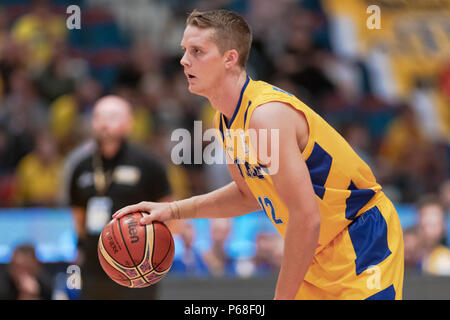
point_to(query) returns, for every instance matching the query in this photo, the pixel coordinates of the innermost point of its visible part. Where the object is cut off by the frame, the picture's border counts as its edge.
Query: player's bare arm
(231, 200)
(293, 184)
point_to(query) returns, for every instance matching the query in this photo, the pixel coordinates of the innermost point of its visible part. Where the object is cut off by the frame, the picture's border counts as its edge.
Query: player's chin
(194, 89)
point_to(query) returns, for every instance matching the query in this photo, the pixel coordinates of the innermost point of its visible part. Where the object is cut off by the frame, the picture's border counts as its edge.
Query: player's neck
(226, 98)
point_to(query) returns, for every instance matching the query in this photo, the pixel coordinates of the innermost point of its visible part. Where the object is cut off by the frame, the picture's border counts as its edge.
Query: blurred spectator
(432, 234)
(403, 134)
(140, 82)
(40, 30)
(22, 109)
(142, 60)
(423, 100)
(301, 69)
(21, 114)
(190, 263)
(59, 76)
(219, 263)
(12, 57)
(358, 137)
(412, 252)
(414, 165)
(13, 146)
(38, 174)
(69, 114)
(25, 278)
(268, 255)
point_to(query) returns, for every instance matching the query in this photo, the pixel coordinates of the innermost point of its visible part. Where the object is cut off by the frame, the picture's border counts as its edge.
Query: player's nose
(184, 61)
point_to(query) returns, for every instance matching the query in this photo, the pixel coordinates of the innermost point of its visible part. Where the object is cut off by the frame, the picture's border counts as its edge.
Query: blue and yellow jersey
(343, 183)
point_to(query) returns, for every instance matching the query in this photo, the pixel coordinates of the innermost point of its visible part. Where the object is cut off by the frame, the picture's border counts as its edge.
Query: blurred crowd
(51, 76)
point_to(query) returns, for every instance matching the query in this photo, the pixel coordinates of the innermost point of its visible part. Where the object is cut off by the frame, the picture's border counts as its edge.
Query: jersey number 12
(266, 204)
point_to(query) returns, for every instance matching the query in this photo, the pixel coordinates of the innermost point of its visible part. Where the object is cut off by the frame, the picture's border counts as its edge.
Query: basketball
(133, 255)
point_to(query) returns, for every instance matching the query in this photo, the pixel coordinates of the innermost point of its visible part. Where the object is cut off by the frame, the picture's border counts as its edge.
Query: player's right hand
(159, 211)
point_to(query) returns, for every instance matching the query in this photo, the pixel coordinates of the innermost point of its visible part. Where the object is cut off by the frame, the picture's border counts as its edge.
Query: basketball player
(342, 235)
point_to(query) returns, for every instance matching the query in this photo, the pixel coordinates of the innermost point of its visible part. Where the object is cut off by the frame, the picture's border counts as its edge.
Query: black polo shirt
(148, 181)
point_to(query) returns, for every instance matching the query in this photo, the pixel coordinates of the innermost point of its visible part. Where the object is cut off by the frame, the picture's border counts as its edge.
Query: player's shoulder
(264, 90)
(273, 114)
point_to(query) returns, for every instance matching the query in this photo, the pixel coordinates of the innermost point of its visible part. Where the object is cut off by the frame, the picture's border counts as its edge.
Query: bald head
(111, 119)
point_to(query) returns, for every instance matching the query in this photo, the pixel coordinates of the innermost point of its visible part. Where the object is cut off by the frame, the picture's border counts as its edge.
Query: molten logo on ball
(133, 231)
(135, 256)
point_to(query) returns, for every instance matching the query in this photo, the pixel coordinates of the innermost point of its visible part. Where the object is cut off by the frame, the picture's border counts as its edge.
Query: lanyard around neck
(102, 178)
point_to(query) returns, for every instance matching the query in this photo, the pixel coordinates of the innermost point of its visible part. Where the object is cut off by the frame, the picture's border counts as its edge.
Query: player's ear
(231, 58)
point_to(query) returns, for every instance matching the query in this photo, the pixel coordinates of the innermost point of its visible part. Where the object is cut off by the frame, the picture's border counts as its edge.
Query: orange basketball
(135, 256)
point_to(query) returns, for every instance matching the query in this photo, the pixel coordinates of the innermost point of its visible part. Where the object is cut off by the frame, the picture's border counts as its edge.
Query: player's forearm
(228, 201)
(299, 246)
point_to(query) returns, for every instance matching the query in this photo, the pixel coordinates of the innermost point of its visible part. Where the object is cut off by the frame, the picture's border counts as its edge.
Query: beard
(109, 145)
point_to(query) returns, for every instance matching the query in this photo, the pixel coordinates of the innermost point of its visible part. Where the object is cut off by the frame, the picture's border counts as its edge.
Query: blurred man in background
(107, 174)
